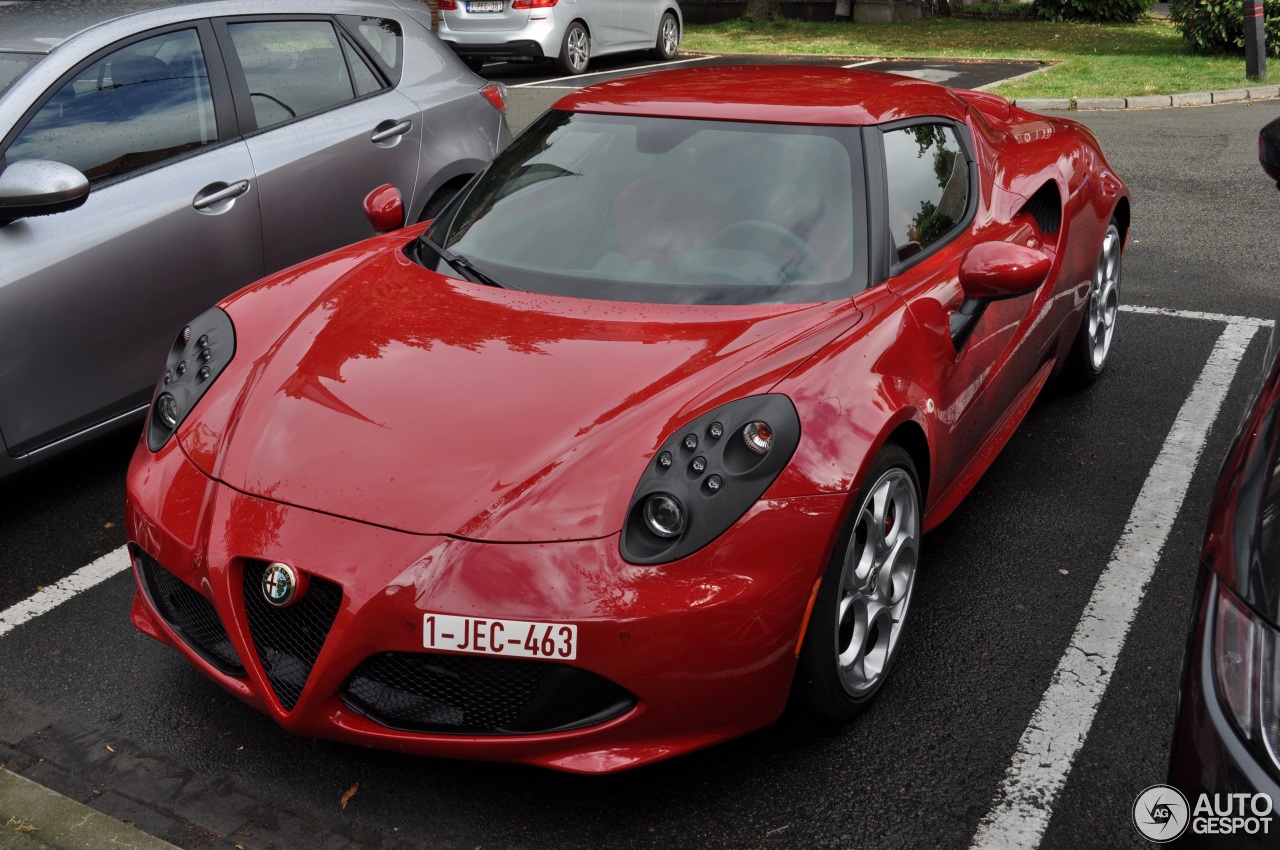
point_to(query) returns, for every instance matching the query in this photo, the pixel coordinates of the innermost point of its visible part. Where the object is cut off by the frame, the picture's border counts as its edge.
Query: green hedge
(1217, 26)
(1125, 11)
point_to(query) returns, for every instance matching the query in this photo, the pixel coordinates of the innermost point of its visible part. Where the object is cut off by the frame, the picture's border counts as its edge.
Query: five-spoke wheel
(862, 604)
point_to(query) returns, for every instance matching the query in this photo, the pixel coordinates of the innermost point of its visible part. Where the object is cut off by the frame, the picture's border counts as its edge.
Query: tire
(442, 197)
(856, 626)
(575, 50)
(1088, 357)
(668, 38)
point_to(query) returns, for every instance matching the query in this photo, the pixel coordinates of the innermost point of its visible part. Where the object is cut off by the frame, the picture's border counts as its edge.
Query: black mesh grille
(190, 615)
(288, 640)
(1045, 207)
(459, 694)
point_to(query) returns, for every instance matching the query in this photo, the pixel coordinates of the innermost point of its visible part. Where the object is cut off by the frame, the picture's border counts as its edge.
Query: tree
(763, 10)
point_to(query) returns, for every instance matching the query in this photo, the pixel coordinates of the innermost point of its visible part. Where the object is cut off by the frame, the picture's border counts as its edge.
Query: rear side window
(141, 105)
(383, 36)
(928, 182)
(295, 68)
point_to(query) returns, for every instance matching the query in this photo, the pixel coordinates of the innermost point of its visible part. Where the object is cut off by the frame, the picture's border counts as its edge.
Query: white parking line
(1195, 314)
(646, 69)
(864, 63)
(110, 564)
(1057, 731)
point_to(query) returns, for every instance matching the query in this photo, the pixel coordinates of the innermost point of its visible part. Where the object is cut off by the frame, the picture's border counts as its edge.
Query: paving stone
(20, 719)
(1260, 92)
(1231, 96)
(67, 784)
(134, 814)
(216, 805)
(1192, 99)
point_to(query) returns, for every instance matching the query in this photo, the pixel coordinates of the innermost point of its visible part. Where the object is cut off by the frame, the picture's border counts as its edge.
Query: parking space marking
(44, 601)
(644, 70)
(1057, 731)
(1196, 314)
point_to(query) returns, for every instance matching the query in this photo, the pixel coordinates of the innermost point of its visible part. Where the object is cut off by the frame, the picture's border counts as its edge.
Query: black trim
(965, 139)
(877, 200)
(499, 50)
(219, 88)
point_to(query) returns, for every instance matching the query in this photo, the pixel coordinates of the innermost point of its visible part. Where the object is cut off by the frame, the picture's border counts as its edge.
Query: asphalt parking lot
(102, 714)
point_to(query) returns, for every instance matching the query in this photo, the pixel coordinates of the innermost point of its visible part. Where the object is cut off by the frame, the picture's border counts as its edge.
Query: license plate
(514, 638)
(484, 6)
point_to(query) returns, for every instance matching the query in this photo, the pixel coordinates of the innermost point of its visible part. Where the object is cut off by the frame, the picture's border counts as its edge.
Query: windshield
(666, 210)
(14, 65)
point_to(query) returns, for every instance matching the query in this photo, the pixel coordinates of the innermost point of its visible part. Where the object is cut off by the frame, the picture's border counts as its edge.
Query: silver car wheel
(1104, 299)
(876, 582)
(578, 49)
(670, 36)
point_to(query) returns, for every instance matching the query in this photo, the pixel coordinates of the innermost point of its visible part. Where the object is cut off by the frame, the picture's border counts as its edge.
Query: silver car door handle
(391, 132)
(235, 190)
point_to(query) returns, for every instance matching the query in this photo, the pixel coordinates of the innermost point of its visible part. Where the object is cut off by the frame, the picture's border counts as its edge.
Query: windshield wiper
(465, 267)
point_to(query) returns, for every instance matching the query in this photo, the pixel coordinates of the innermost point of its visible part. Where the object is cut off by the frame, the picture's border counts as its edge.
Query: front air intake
(191, 616)
(288, 640)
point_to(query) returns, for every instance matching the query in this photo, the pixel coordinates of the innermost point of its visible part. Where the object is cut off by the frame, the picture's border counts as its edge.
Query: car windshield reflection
(667, 210)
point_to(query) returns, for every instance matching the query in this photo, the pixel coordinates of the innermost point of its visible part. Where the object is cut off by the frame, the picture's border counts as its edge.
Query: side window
(383, 36)
(928, 182)
(293, 68)
(140, 106)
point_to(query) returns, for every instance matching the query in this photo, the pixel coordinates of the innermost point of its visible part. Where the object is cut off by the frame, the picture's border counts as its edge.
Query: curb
(33, 817)
(1151, 101)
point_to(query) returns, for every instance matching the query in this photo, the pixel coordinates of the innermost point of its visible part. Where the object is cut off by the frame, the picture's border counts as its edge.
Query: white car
(569, 32)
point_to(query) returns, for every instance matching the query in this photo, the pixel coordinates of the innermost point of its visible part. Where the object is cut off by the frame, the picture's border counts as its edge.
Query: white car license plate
(484, 6)
(515, 638)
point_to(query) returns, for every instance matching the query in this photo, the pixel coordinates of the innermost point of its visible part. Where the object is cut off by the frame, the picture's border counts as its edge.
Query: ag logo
(1161, 813)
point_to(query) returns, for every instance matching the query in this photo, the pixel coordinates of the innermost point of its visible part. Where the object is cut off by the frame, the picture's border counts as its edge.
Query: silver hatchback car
(569, 32)
(157, 156)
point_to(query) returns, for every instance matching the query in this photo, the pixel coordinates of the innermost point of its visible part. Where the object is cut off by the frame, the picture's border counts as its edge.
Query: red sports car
(639, 438)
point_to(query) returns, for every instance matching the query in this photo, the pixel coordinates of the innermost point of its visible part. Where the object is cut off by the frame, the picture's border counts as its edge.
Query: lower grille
(455, 694)
(190, 615)
(288, 640)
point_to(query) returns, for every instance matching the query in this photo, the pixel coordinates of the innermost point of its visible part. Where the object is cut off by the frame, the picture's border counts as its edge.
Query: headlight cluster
(706, 475)
(200, 353)
(1246, 666)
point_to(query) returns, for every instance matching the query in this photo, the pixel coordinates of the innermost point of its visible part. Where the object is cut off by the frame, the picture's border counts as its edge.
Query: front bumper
(1208, 757)
(690, 653)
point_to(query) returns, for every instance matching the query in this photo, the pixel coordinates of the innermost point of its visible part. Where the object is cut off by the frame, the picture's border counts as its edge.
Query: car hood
(410, 400)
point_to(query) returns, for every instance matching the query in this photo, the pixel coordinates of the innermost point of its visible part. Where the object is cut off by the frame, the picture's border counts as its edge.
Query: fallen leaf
(1064, 572)
(109, 747)
(40, 588)
(109, 525)
(351, 792)
(19, 825)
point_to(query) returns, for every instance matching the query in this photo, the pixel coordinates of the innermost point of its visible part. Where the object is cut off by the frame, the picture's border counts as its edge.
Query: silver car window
(384, 36)
(365, 80)
(293, 68)
(141, 105)
(14, 65)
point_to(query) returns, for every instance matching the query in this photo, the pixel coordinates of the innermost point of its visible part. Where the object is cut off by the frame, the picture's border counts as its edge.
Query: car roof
(778, 94)
(39, 26)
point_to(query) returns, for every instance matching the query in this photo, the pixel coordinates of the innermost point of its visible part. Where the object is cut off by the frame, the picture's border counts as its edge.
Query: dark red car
(641, 435)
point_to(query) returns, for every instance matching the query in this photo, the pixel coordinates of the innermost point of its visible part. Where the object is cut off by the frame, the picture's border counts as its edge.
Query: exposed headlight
(706, 475)
(199, 354)
(1246, 667)
(664, 515)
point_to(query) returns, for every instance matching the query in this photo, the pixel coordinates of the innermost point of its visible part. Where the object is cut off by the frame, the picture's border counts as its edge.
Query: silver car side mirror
(33, 187)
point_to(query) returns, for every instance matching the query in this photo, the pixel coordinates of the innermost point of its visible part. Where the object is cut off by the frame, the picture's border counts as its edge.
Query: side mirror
(32, 187)
(994, 271)
(1269, 150)
(384, 209)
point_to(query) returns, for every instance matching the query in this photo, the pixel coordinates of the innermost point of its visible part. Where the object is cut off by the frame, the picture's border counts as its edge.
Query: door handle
(211, 195)
(387, 130)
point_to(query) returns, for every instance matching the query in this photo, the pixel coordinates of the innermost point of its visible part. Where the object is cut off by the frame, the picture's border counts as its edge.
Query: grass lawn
(1091, 60)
